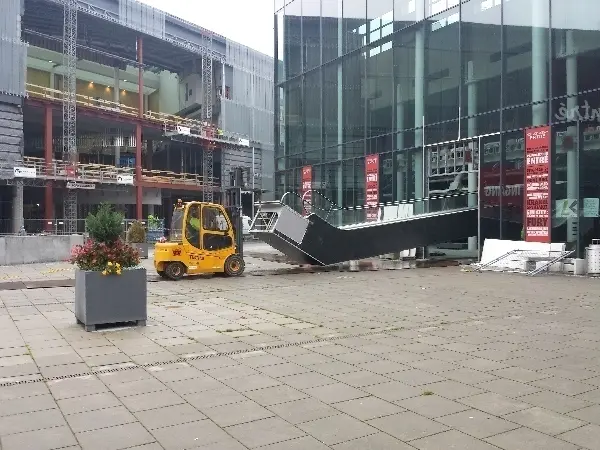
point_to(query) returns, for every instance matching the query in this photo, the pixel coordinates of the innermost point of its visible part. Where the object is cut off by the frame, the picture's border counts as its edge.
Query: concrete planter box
(108, 299)
(141, 247)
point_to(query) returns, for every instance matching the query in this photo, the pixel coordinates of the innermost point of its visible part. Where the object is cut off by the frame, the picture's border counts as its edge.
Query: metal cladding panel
(13, 52)
(11, 134)
(141, 17)
(292, 225)
(242, 157)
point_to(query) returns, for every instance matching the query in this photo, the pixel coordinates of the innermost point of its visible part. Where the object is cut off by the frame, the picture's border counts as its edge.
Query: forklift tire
(234, 266)
(175, 271)
(162, 274)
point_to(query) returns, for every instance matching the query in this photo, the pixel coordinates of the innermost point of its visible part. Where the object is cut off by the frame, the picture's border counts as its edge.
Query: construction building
(115, 101)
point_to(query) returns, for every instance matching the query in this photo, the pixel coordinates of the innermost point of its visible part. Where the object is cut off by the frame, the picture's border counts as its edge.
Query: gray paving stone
(76, 387)
(22, 391)
(544, 421)
(587, 436)
(563, 386)
(273, 395)
(151, 400)
(212, 398)
(337, 429)
(555, 402)
(27, 404)
(190, 435)
(469, 376)
(590, 414)
(237, 413)
(367, 408)
(477, 423)
(137, 387)
(509, 388)
(496, 404)
(39, 420)
(393, 391)
(377, 441)
(519, 374)
(251, 382)
(303, 443)
(407, 426)
(361, 378)
(432, 406)
(169, 416)
(194, 385)
(451, 439)
(101, 418)
(225, 373)
(48, 439)
(264, 432)
(307, 380)
(304, 410)
(526, 439)
(453, 389)
(119, 437)
(383, 367)
(88, 403)
(333, 393)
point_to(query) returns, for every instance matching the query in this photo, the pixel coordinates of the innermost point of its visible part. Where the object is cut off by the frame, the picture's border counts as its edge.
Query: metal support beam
(139, 199)
(48, 157)
(207, 84)
(70, 106)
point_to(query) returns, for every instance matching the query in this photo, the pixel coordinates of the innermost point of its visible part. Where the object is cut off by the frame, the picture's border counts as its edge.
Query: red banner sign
(537, 184)
(372, 186)
(305, 191)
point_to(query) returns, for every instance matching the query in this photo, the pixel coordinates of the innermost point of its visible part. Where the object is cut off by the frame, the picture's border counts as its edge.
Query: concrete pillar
(48, 159)
(572, 163)
(17, 212)
(419, 113)
(471, 132)
(539, 62)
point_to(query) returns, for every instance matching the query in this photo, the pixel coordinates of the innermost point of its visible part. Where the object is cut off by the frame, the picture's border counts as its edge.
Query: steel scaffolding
(207, 84)
(70, 106)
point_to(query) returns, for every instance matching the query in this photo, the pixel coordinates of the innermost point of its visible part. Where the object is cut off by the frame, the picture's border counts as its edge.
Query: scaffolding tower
(70, 107)
(207, 84)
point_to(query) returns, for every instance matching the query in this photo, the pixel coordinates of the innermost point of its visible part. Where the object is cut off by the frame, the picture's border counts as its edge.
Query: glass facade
(394, 77)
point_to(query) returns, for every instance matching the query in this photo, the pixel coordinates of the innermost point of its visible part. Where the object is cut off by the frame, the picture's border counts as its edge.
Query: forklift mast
(233, 206)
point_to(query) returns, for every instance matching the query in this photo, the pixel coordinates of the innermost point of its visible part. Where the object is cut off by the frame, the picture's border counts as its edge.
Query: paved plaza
(429, 359)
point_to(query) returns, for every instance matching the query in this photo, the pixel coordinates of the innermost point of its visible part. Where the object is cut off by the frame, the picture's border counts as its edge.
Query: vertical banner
(537, 184)
(372, 186)
(305, 191)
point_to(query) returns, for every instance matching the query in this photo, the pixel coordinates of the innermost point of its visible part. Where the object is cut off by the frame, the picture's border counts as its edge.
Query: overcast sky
(249, 22)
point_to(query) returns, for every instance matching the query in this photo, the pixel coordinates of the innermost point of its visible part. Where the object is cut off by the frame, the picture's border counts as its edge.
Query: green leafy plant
(154, 223)
(106, 225)
(136, 233)
(105, 252)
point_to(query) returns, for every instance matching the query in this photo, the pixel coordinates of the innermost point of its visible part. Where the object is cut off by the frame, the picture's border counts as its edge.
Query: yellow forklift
(205, 238)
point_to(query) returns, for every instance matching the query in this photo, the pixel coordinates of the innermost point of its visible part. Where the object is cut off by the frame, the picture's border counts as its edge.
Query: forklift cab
(202, 240)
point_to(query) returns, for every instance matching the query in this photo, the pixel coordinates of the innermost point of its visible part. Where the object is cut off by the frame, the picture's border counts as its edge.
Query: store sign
(125, 179)
(537, 184)
(372, 186)
(25, 172)
(80, 185)
(306, 190)
(186, 131)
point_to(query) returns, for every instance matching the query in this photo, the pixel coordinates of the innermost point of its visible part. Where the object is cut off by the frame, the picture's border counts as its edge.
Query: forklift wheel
(234, 266)
(162, 274)
(175, 271)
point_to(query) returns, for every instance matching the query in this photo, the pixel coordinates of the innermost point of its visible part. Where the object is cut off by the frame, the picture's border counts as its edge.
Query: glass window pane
(353, 69)
(312, 109)
(379, 92)
(279, 46)
(332, 105)
(481, 67)
(330, 23)
(442, 56)
(292, 32)
(526, 49)
(293, 117)
(355, 28)
(311, 33)
(408, 12)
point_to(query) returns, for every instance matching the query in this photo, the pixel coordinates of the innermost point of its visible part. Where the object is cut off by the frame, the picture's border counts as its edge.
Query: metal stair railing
(550, 257)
